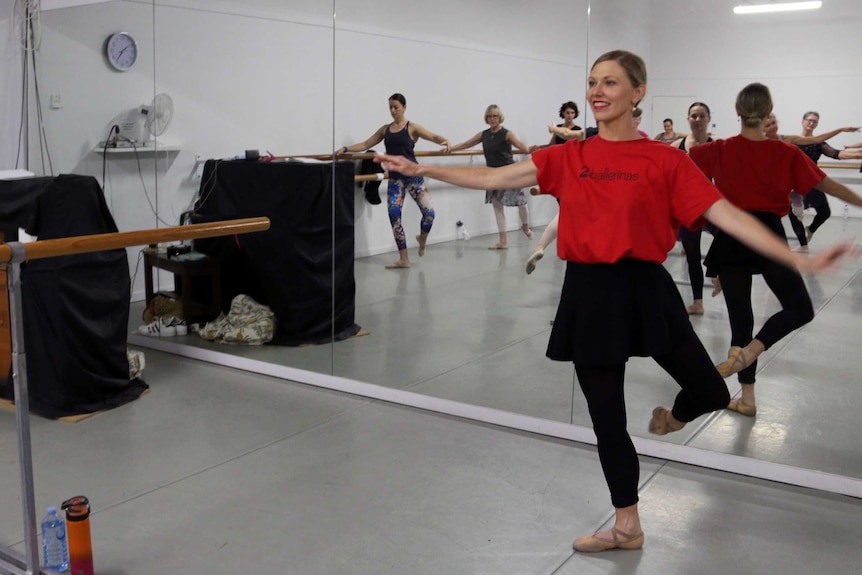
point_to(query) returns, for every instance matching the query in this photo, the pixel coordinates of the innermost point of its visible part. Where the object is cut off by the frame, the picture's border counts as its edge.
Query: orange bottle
(78, 534)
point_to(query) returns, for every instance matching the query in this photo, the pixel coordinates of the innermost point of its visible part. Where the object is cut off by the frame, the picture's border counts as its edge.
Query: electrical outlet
(56, 101)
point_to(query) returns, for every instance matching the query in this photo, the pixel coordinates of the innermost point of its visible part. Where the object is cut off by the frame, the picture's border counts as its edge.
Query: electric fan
(159, 114)
(140, 125)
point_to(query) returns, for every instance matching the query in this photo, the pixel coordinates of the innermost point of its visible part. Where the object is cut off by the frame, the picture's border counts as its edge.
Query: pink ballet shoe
(592, 544)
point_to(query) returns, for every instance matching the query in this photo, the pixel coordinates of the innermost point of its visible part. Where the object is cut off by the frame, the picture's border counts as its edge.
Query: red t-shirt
(757, 175)
(622, 199)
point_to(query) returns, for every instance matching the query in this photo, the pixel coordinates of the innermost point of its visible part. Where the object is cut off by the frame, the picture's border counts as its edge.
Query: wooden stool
(189, 277)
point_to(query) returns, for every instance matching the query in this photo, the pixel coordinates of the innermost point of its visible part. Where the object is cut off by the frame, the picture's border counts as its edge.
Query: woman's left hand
(826, 259)
(398, 164)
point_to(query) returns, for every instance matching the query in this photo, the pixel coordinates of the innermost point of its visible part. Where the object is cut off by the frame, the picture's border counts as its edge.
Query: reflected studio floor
(224, 471)
(467, 324)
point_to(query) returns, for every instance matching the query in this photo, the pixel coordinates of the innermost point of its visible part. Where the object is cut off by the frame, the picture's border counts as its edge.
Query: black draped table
(76, 307)
(302, 267)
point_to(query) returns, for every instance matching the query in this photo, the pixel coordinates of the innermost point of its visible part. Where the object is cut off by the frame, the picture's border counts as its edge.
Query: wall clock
(121, 51)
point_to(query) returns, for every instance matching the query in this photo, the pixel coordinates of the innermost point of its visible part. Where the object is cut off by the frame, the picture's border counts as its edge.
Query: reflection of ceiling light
(782, 7)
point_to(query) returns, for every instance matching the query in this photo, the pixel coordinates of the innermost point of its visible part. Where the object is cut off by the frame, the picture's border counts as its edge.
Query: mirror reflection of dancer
(637, 116)
(668, 136)
(568, 113)
(399, 137)
(560, 134)
(797, 203)
(816, 198)
(698, 121)
(497, 144)
(617, 300)
(756, 174)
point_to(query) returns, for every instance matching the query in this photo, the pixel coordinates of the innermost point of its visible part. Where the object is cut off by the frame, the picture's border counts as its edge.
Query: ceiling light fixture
(781, 7)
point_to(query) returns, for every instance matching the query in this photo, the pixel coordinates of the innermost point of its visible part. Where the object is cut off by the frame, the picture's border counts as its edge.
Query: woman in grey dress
(497, 144)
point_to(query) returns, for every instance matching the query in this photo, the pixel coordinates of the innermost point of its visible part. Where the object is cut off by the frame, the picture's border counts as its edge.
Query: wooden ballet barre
(98, 242)
(370, 155)
(843, 166)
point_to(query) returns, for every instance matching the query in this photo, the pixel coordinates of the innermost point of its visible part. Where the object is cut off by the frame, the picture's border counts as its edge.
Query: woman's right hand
(340, 151)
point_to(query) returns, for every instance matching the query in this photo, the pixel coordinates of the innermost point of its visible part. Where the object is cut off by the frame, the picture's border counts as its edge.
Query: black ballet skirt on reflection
(728, 251)
(611, 312)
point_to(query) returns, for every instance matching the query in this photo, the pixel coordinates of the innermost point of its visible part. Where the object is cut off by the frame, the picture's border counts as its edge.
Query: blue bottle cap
(52, 509)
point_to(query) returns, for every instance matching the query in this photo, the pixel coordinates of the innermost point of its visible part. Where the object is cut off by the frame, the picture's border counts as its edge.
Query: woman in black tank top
(399, 136)
(698, 121)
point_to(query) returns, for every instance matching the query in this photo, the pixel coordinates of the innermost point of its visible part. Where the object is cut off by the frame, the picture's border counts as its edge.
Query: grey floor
(218, 470)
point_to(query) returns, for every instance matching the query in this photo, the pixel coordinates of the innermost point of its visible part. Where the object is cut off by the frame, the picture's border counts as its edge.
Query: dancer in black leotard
(399, 137)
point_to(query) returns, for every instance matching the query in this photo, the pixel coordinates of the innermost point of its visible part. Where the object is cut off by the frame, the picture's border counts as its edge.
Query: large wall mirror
(210, 80)
(306, 77)
(463, 323)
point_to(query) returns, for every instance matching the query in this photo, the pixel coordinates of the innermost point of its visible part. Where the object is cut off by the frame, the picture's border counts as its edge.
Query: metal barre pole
(11, 256)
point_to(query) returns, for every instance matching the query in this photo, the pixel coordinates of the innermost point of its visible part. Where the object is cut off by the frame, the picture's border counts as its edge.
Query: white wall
(12, 152)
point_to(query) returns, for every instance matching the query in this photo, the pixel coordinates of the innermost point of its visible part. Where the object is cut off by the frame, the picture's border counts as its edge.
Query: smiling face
(611, 94)
(668, 127)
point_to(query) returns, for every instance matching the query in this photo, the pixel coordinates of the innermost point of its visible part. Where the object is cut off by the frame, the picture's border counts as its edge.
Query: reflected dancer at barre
(622, 198)
(756, 174)
(399, 137)
(497, 144)
(560, 134)
(816, 198)
(698, 121)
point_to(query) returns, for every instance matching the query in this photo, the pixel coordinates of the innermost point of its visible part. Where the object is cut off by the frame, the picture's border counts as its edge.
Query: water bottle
(80, 544)
(462, 234)
(55, 547)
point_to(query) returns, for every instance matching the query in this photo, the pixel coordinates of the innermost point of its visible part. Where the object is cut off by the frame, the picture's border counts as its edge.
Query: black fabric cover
(76, 307)
(302, 267)
(372, 188)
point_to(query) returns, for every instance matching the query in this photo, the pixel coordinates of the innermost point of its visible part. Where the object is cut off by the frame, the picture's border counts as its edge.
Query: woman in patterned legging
(399, 136)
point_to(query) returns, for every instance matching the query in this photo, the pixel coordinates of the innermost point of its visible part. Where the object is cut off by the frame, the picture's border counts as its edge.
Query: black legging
(691, 244)
(817, 200)
(703, 390)
(788, 287)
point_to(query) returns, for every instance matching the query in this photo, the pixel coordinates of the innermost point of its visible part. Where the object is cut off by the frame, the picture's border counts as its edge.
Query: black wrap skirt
(728, 251)
(610, 312)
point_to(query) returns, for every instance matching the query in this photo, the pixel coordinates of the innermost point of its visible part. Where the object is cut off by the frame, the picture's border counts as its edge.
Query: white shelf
(140, 149)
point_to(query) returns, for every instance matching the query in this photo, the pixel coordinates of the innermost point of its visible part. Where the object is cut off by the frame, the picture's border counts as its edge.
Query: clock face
(122, 51)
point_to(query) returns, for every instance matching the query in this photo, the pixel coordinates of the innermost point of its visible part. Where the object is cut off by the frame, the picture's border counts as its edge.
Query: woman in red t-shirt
(757, 174)
(622, 199)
